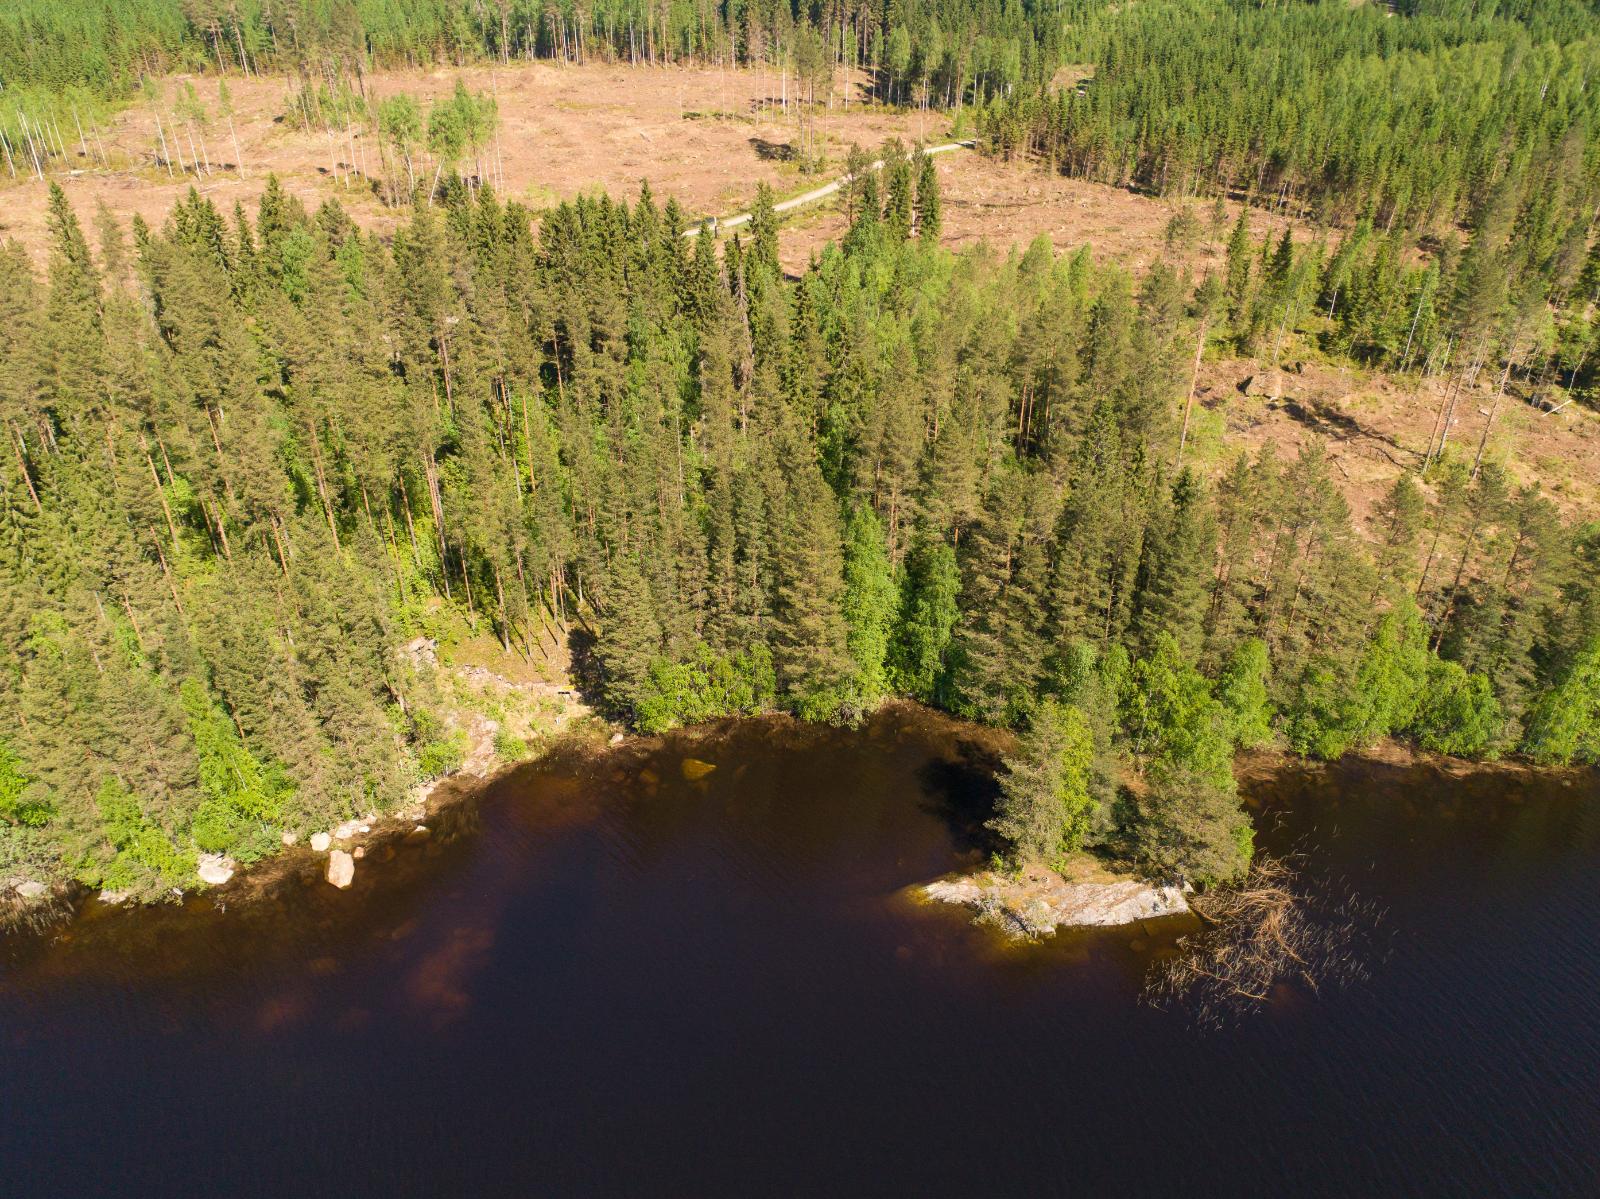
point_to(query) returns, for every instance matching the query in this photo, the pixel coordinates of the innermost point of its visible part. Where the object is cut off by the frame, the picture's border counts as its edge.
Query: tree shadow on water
(963, 792)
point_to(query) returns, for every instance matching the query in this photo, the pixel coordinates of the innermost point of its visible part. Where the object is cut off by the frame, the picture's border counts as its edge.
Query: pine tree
(762, 256)
(929, 592)
(1564, 725)
(1047, 807)
(809, 637)
(631, 634)
(1175, 568)
(1238, 272)
(899, 183)
(869, 601)
(930, 217)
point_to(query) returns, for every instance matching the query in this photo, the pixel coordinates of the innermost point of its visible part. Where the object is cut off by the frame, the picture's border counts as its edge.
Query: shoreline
(1273, 762)
(371, 840)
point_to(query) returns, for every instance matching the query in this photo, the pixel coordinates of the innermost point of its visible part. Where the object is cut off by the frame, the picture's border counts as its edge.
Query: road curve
(716, 225)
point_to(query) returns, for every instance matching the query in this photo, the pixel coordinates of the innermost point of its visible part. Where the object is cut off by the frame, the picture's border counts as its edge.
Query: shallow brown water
(608, 979)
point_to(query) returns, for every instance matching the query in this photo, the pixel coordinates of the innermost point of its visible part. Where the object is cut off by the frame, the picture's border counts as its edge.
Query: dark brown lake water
(607, 979)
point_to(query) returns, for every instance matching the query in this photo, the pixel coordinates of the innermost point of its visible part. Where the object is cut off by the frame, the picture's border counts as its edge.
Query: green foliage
(929, 590)
(439, 751)
(1390, 692)
(1186, 821)
(441, 755)
(1187, 825)
(1242, 691)
(1172, 718)
(1326, 716)
(17, 805)
(1395, 672)
(509, 747)
(1047, 804)
(868, 605)
(1459, 713)
(706, 687)
(232, 494)
(1564, 726)
(930, 208)
(144, 858)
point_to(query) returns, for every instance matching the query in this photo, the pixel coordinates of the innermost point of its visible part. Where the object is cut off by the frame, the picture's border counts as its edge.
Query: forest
(250, 453)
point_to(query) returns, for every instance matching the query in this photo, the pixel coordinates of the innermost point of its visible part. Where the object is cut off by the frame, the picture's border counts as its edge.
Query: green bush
(143, 858)
(509, 747)
(1460, 714)
(1047, 795)
(1242, 691)
(709, 686)
(19, 802)
(1564, 726)
(442, 755)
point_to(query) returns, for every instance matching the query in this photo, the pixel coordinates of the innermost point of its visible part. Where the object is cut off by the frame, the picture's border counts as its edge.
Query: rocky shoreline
(1030, 905)
(1036, 902)
(26, 903)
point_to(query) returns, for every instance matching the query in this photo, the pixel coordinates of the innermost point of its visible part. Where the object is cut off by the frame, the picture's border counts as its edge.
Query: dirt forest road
(717, 225)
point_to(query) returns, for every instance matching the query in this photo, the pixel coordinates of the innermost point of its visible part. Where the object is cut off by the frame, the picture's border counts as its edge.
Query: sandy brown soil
(1375, 427)
(1012, 203)
(703, 135)
(706, 136)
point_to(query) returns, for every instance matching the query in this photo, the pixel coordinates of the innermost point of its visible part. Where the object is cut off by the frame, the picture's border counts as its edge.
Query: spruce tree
(1047, 807)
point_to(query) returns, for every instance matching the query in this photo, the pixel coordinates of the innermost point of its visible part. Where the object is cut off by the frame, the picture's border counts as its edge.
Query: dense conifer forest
(250, 453)
(247, 453)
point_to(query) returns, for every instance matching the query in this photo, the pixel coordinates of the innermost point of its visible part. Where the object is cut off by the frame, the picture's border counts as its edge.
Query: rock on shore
(1038, 902)
(215, 869)
(341, 869)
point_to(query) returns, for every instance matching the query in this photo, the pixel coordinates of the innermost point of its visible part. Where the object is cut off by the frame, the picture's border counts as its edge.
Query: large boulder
(1267, 384)
(30, 889)
(215, 869)
(341, 869)
(694, 769)
(1040, 901)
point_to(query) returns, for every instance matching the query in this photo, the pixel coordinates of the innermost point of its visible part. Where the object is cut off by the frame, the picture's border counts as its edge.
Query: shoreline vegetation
(492, 722)
(1025, 901)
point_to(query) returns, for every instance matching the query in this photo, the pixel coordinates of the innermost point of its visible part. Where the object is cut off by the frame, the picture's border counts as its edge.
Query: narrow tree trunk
(161, 493)
(1483, 442)
(166, 572)
(277, 541)
(322, 486)
(1188, 407)
(411, 527)
(22, 464)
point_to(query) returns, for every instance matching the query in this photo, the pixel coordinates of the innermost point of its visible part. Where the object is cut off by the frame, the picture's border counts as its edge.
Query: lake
(606, 978)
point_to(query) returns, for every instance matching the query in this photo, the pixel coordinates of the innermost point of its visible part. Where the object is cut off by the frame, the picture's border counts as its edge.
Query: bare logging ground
(1374, 427)
(702, 135)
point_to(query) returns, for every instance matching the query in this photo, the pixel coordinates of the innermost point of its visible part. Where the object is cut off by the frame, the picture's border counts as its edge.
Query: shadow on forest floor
(586, 671)
(1334, 423)
(770, 151)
